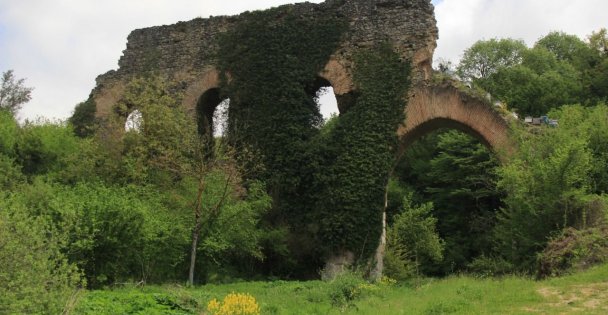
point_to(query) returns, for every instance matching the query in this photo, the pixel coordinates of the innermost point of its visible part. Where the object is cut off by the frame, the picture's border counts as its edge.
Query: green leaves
(485, 58)
(35, 277)
(13, 93)
(550, 183)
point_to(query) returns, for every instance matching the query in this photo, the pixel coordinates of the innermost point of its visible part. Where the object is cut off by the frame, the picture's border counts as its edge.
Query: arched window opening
(220, 118)
(327, 102)
(134, 121)
(212, 113)
(325, 98)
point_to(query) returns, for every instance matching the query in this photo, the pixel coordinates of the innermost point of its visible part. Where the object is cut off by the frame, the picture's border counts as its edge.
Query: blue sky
(60, 46)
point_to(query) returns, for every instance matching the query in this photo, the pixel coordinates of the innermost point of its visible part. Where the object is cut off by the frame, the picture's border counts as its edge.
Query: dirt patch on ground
(576, 299)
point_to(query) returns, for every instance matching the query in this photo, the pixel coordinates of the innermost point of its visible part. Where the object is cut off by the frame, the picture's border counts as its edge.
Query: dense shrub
(35, 277)
(573, 250)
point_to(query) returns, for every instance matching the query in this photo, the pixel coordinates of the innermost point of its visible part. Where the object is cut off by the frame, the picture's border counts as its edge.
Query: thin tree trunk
(376, 273)
(195, 233)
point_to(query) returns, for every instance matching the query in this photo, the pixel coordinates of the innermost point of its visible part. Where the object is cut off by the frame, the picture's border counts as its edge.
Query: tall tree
(457, 174)
(167, 151)
(13, 93)
(486, 57)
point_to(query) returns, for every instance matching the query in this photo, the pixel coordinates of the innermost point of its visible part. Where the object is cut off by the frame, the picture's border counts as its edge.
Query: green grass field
(581, 293)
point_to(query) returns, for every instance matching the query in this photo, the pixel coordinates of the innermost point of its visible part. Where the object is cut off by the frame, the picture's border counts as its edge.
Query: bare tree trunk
(195, 233)
(376, 273)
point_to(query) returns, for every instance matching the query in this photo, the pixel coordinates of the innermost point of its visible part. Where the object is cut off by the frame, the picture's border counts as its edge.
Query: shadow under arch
(206, 109)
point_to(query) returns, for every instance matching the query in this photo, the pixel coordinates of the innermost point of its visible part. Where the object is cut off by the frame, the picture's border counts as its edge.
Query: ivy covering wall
(327, 182)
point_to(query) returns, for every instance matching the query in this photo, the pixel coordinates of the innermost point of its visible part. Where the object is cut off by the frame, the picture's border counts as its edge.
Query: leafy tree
(549, 184)
(412, 238)
(599, 41)
(13, 93)
(44, 146)
(537, 85)
(565, 47)
(486, 57)
(35, 277)
(456, 173)
(168, 152)
(8, 133)
(83, 118)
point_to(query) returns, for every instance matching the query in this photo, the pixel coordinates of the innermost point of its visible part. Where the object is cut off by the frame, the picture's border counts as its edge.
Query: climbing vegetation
(327, 184)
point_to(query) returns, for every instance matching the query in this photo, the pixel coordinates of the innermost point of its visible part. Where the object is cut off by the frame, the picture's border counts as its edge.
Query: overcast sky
(60, 46)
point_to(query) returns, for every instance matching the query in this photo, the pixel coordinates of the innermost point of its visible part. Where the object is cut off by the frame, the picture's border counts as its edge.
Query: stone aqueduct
(185, 53)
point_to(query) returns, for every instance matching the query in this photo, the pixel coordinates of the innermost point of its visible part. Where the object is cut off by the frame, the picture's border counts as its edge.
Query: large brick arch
(444, 106)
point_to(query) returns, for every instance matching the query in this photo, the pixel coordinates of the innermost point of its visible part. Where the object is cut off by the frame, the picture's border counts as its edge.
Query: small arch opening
(323, 94)
(212, 113)
(134, 121)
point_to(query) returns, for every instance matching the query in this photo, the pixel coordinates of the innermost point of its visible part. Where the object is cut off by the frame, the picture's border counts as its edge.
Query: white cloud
(61, 46)
(462, 22)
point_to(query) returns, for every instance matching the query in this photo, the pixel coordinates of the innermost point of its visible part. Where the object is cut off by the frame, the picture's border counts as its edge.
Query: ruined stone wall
(185, 52)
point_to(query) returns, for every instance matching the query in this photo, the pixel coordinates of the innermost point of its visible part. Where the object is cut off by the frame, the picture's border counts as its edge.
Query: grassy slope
(581, 293)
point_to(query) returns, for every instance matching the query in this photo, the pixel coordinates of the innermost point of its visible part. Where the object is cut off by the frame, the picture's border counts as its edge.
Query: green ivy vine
(327, 185)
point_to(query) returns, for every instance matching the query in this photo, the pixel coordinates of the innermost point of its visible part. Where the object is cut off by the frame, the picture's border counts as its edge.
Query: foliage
(10, 174)
(13, 93)
(134, 301)
(112, 234)
(83, 118)
(397, 258)
(485, 58)
(44, 147)
(273, 58)
(8, 133)
(359, 152)
(599, 41)
(456, 294)
(346, 289)
(414, 234)
(487, 266)
(234, 304)
(559, 69)
(35, 277)
(565, 47)
(548, 185)
(457, 173)
(573, 250)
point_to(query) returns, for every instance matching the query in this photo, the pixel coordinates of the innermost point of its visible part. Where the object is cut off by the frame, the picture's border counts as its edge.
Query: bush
(412, 240)
(234, 304)
(35, 277)
(397, 262)
(112, 234)
(573, 250)
(8, 132)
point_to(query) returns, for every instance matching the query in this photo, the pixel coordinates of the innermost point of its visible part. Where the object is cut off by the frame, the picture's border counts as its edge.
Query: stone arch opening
(134, 121)
(436, 124)
(211, 113)
(452, 166)
(433, 107)
(329, 99)
(323, 94)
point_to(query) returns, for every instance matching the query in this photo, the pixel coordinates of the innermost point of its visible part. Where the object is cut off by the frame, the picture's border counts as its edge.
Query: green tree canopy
(13, 92)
